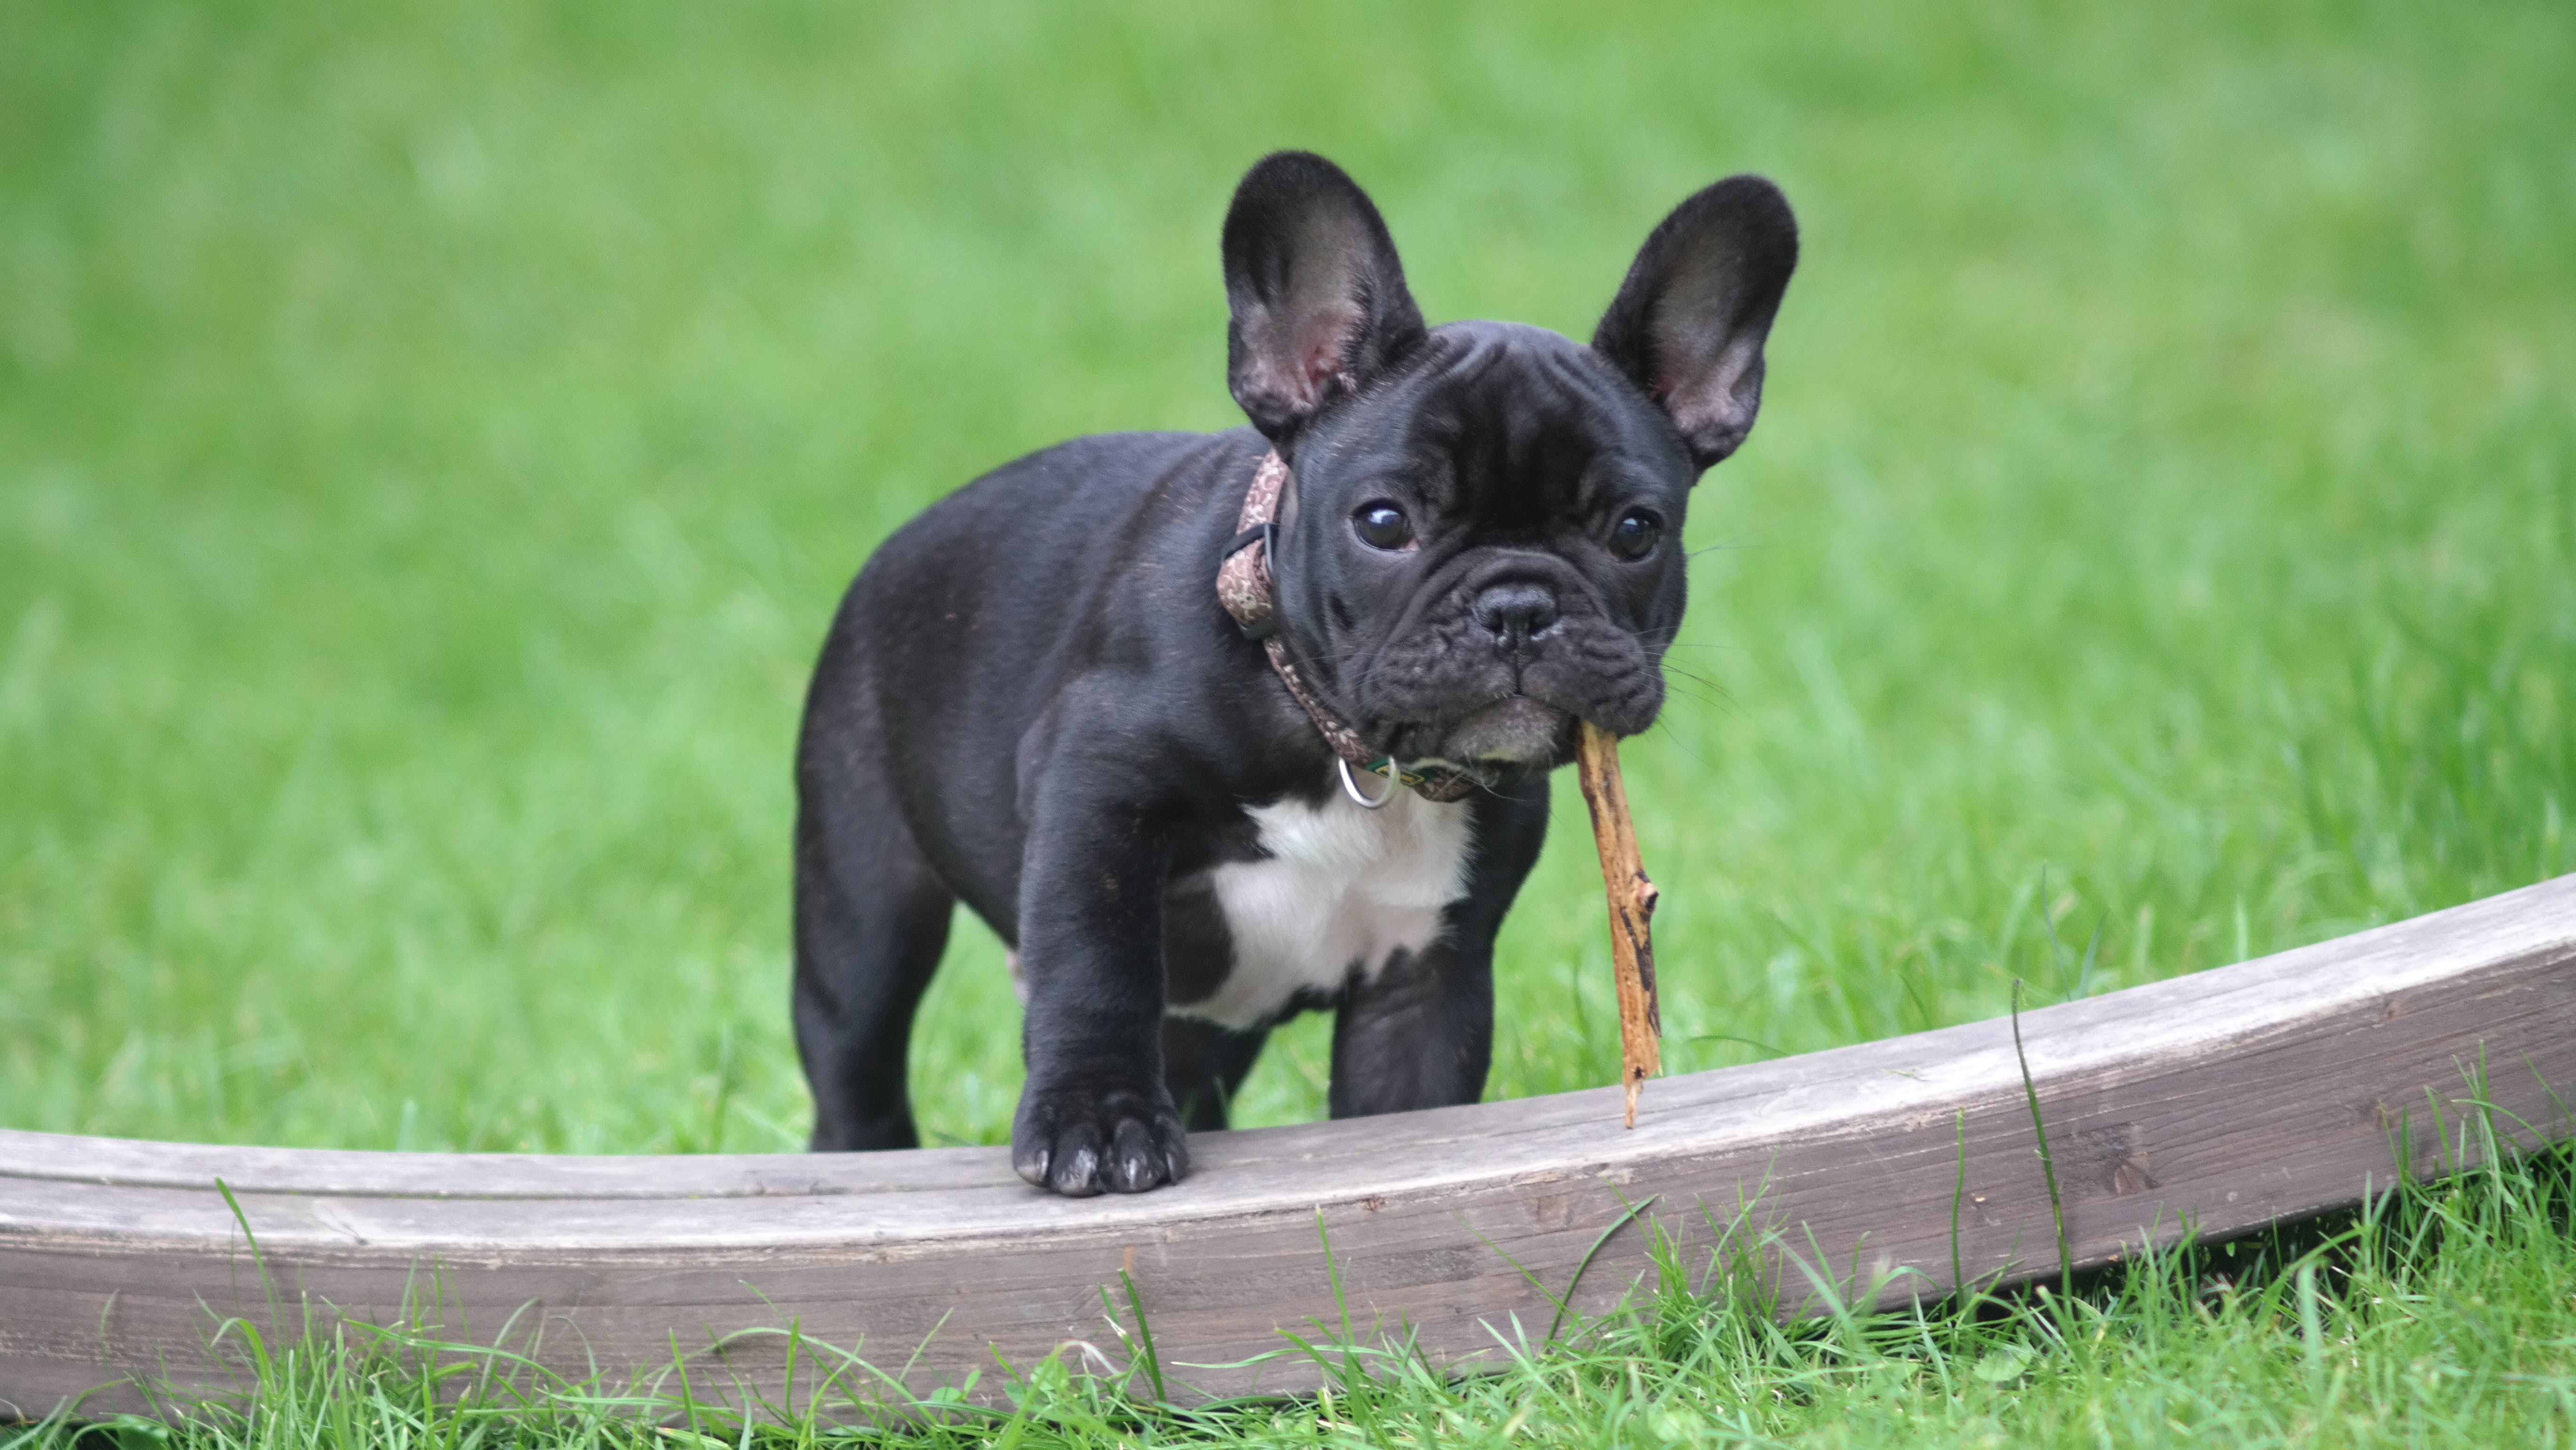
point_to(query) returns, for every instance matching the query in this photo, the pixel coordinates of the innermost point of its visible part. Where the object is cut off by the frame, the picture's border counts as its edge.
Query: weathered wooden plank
(2233, 1098)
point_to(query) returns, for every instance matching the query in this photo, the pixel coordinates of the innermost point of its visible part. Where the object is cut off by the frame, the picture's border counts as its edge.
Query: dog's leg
(1095, 1113)
(1205, 1065)
(871, 921)
(1419, 1034)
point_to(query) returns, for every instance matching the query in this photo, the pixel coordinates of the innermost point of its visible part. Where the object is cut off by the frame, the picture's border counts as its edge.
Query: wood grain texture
(1631, 895)
(2269, 1090)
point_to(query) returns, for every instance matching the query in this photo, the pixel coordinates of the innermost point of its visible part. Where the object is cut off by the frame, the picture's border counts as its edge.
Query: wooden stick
(1632, 909)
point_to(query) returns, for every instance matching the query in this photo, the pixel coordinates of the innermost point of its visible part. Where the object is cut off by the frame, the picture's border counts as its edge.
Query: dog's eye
(1636, 534)
(1381, 525)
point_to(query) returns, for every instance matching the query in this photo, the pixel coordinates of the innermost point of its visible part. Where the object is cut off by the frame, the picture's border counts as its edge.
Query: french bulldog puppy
(1192, 817)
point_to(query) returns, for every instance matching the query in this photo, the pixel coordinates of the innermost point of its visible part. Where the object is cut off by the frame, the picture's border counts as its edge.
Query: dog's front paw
(1079, 1140)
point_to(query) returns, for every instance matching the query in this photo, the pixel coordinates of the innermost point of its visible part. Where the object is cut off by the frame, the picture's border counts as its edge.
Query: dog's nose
(1513, 613)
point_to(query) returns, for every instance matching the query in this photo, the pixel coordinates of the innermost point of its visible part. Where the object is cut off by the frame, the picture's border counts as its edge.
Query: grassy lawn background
(431, 443)
(432, 440)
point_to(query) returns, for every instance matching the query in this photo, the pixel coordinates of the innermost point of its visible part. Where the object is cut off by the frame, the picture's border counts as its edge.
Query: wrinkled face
(1485, 546)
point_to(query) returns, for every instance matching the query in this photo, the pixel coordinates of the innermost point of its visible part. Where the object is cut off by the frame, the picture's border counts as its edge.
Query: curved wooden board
(2231, 1099)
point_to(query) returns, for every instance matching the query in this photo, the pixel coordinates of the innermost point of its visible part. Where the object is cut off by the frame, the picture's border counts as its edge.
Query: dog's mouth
(1512, 735)
(1454, 693)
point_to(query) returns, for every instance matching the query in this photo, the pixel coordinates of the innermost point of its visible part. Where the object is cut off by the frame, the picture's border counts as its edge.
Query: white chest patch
(1343, 890)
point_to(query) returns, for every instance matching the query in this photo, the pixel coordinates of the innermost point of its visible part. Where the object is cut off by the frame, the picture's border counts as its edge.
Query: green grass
(432, 439)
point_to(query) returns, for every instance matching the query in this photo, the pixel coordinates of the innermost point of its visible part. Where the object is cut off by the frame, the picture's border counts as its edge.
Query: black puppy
(1193, 818)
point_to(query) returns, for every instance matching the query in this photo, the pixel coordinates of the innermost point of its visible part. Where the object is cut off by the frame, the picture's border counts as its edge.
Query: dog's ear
(1688, 324)
(1317, 294)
